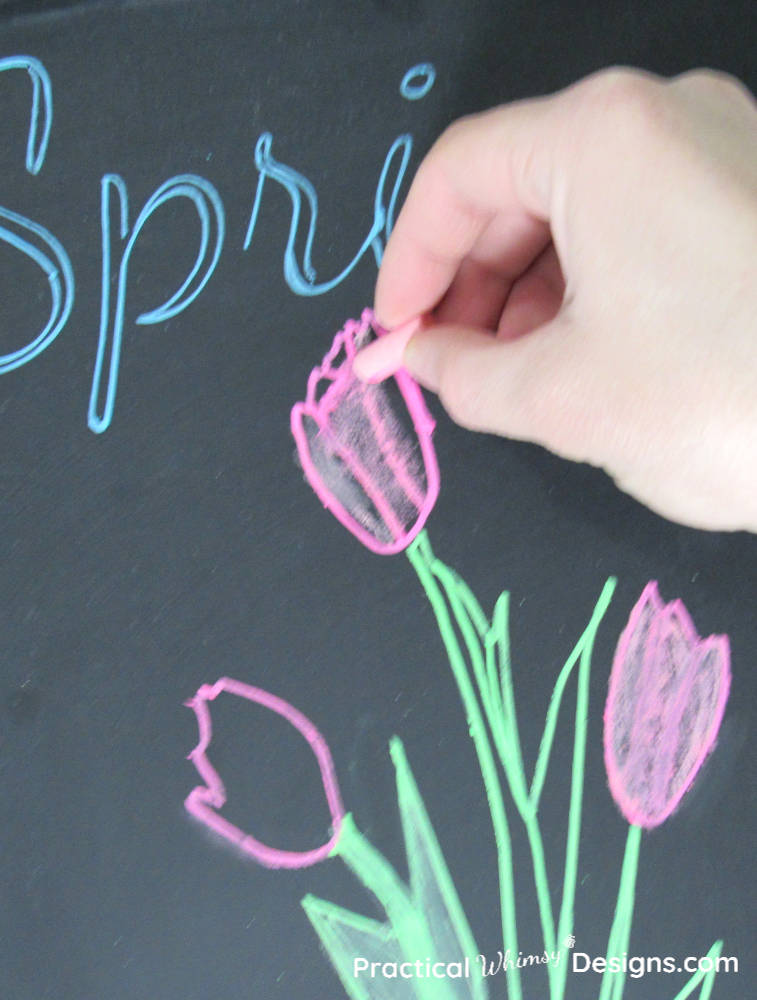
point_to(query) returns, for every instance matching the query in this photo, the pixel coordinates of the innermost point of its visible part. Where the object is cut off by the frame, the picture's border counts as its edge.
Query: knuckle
(428, 177)
(435, 176)
(623, 102)
(714, 81)
(454, 137)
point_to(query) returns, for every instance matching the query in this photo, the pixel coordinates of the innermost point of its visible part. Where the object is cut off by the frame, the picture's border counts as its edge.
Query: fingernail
(382, 359)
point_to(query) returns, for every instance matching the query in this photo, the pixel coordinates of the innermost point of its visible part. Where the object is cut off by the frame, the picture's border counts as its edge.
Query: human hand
(589, 264)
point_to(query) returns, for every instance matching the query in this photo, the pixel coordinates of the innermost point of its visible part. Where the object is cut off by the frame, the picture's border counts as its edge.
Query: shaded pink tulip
(203, 801)
(668, 691)
(378, 478)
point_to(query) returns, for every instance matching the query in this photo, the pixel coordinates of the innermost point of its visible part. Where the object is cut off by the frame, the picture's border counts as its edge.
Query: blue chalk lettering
(301, 277)
(210, 211)
(56, 266)
(51, 258)
(36, 143)
(417, 82)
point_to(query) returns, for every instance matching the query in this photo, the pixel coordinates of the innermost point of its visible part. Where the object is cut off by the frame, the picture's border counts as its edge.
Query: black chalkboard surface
(193, 204)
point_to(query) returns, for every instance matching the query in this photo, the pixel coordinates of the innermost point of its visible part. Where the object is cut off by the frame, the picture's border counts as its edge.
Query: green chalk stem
(503, 724)
(426, 917)
(613, 983)
(422, 560)
(488, 652)
(584, 649)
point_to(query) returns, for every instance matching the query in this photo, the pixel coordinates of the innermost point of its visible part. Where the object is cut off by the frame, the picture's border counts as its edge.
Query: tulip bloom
(377, 477)
(668, 691)
(203, 800)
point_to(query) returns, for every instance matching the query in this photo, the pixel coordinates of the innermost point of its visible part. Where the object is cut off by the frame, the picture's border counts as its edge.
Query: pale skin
(587, 263)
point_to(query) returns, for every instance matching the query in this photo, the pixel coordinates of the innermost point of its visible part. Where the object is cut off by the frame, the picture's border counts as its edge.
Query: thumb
(534, 388)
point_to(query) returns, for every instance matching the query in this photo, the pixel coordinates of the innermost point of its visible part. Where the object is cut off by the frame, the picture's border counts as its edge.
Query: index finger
(492, 165)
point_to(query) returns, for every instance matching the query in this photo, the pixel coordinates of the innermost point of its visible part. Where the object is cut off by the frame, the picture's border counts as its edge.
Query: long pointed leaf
(707, 979)
(431, 886)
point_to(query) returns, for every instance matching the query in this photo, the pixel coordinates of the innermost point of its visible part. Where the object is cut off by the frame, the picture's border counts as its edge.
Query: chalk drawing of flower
(425, 922)
(204, 800)
(377, 474)
(667, 694)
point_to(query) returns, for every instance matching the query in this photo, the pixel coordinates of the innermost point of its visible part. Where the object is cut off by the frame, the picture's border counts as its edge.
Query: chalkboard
(195, 196)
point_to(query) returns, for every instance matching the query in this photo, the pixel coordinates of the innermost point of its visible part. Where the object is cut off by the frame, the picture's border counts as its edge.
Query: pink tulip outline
(348, 340)
(213, 793)
(660, 619)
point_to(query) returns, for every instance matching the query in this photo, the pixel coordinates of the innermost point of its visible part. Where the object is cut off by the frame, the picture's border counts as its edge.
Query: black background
(182, 544)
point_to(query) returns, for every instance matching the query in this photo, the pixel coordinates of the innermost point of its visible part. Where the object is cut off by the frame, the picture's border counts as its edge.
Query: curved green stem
(420, 557)
(586, 647)
(476, 631)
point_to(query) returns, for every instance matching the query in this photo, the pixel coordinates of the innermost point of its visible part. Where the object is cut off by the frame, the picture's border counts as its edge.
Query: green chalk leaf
(707, 979)
(348, 937)
(432, 890)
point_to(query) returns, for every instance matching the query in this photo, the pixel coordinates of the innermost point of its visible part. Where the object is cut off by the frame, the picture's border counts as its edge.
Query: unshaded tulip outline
(339, 376)
(203, 801)
(413, 908)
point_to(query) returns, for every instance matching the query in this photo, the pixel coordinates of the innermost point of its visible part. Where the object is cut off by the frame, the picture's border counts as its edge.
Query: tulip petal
(699, 722)
(625, 687)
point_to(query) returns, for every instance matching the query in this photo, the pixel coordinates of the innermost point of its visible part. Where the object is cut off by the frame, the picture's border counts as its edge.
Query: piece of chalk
(383, 358)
